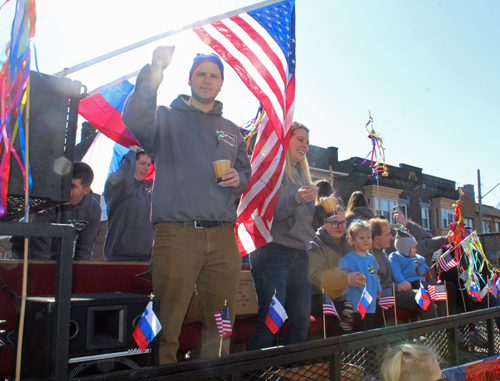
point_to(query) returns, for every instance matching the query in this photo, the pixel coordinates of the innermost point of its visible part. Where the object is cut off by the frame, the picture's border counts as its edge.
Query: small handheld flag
(447, 262)
(328, 306)
(492, 288)
(147, 327)
(276, 315)
(474, 292)
(386, 299)
(223, 320)
(422, 298)
(364, 303)
(437, 292)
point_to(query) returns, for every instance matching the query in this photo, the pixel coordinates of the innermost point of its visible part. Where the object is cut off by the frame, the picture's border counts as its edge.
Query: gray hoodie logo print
(226, 137)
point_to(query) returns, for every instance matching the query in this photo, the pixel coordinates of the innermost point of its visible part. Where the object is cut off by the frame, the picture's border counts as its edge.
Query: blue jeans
(276, 267)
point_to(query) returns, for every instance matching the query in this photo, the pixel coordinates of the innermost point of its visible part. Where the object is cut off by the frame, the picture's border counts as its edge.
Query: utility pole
(479, 201)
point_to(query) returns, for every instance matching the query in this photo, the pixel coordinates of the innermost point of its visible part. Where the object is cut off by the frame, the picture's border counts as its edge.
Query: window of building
(446, 217)
(469, 223)
(387, 208)
(486, 226)
(425, 217)
(497, 226)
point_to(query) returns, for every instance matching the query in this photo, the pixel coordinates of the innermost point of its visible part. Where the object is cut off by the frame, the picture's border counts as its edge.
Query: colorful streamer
(14, 90)
(377, 154)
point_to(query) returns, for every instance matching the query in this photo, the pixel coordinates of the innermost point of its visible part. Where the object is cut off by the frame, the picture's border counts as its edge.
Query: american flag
(328, 306)
(223, 320)
(260, 46)
(437, 292)
(447, 262)
(386, 299)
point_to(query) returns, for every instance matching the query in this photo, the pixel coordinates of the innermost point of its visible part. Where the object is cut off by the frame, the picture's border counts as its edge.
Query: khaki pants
(184, 257)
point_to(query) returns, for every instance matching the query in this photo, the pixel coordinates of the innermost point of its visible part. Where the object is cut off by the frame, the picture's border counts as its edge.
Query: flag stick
(395, 309)
(324, 322)
(383, 315)
(220, 347)
(487, 283)
(160, 36)
(447, 307)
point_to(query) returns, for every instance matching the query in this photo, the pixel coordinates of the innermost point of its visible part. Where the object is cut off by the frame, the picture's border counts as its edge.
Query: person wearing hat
(195, 244)
(406, 264)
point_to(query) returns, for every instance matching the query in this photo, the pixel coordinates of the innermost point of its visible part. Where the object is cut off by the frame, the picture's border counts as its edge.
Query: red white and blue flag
(364, 302)
(104, 113)
(422, 298)
(223, 321)
(474, 291)
(386, 298)
(447, 262)
(437, 292)
(276, 315)
(328, 306)
(260, 46)
(147, 327)
(492, 288)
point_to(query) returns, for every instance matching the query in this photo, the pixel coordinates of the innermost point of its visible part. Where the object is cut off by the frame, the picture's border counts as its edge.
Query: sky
(427, 70)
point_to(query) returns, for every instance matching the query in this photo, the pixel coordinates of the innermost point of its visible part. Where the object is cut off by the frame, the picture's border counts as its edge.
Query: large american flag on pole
(260, 46)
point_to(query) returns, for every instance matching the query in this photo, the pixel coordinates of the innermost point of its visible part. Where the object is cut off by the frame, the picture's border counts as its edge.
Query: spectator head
(381, 233)
(142, 164)
(405, 244)
(410, 362)
(357, 199)
(359, 232)
(325, 189)
(297, 167)
(80, 185)
(335, 226)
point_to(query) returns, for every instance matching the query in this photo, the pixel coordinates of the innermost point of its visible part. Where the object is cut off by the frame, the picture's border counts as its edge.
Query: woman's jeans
(276, 268)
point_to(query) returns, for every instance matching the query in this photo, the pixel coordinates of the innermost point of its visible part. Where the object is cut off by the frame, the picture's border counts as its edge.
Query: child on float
(406, 264)
(360, 260)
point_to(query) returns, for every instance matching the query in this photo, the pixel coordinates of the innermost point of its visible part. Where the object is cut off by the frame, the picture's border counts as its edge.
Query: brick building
(425, 199)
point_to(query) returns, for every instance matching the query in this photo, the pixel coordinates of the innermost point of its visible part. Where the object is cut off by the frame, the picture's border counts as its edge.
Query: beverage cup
(220, 166)
(330, 206)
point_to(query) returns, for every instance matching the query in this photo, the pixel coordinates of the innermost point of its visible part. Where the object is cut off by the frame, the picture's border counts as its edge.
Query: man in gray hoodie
(195, 244)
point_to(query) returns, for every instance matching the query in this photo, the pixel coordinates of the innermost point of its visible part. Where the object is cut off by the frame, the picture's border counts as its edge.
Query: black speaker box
(101, 338)
(53, 115)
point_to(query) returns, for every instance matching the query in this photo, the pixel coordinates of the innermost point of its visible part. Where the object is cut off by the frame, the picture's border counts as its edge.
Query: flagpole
(160, 36)
(395, 309)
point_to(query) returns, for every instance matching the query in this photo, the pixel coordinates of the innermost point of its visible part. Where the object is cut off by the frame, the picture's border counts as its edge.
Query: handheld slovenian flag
(276, 315)
(147, 327)
(104, 113)
(422, 298)
(260, 46)
(223, 320)
(437, 292)
(364, 303)
(474, 291)
(447, 262)
(386, 299)
(328, 306)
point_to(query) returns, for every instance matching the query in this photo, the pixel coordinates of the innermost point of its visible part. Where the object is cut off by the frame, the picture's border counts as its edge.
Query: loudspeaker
(101, 331)
(53, 114)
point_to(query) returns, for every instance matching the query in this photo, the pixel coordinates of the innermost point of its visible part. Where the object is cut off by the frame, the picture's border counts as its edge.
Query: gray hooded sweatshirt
(185, 141)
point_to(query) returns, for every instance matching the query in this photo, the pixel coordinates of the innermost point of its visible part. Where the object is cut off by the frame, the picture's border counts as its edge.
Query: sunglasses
(337, 224)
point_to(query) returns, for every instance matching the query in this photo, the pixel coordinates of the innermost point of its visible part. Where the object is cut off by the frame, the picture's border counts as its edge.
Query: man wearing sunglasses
(325, 251)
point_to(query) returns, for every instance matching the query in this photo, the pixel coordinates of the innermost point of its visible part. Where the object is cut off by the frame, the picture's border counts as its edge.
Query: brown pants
(184, 257)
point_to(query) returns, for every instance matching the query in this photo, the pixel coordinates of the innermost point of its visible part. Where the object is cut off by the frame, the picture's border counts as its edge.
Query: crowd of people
(185, 225)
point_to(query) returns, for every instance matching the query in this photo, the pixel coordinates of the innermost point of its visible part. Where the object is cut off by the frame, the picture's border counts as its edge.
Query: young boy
(406, 264)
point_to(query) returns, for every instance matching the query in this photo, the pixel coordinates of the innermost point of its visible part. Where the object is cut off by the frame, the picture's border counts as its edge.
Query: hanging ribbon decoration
(251, 128)
(377, 153)
(14, 91)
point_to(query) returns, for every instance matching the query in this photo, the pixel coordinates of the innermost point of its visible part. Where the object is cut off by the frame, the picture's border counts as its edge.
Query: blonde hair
(407, 362)
(301, 177)
(356, 227)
